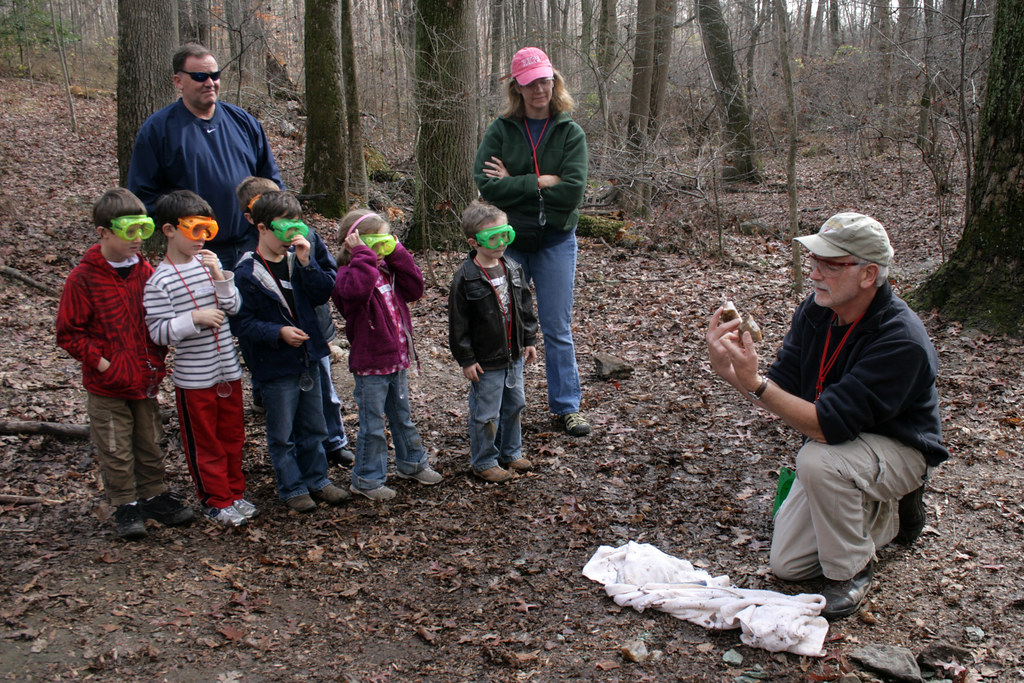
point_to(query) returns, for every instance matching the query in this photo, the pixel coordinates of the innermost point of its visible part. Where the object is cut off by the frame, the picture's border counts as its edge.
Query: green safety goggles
(381, 244)
(498, 236)
(286, 228)
(130, 228)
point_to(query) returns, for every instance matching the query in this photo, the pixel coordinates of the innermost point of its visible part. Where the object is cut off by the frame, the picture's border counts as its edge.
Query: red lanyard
(216, 330)
(506, 313)
(534, 145)
(826, 365)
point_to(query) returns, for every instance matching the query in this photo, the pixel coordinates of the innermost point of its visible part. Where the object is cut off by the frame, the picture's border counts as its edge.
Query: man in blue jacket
(205, 146)
(856, 376)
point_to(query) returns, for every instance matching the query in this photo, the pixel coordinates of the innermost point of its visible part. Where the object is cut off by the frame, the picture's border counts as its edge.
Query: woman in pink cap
(532, 164)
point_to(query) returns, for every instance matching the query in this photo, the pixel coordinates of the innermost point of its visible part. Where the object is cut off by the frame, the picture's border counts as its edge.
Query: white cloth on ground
(640, 576)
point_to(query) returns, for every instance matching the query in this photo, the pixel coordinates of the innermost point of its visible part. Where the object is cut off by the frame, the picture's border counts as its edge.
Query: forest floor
(469, 581)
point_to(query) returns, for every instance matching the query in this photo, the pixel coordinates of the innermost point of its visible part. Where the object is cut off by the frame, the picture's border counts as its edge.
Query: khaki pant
(843, 505)
(127, 435)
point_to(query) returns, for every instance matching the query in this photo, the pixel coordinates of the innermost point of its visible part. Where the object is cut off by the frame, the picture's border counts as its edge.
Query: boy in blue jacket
(281, 286)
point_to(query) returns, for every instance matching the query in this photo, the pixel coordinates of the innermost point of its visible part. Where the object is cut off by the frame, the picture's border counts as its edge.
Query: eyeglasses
(286, 228)
(201, 76)
(130, 228)
(539, 83)
(830, 268)
(498, 236)
(381, 244)
(198, 227)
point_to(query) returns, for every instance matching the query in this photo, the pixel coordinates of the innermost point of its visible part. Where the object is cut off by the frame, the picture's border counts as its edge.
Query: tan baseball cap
(850, 234)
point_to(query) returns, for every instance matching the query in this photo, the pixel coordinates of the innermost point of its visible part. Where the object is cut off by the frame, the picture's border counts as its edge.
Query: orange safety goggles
(198, 227)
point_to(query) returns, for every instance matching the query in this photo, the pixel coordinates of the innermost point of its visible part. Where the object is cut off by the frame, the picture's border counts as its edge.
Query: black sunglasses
(201, 76)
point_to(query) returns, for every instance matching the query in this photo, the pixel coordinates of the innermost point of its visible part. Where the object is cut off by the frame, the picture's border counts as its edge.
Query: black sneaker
(341, 457)
(912, 516)
(129, 523)
(166, 508)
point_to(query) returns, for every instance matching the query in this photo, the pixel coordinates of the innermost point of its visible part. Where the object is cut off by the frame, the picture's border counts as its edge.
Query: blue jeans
(336, 436)
(495, 417)
(378, 396)
(295, 434)
(553, 271)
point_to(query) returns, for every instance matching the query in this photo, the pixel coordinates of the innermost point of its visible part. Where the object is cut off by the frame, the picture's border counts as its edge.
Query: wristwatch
(756, 394)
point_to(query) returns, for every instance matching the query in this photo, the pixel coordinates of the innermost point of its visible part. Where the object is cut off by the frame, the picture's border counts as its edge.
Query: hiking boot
(128, 522)
(301, 503)
(495, 475)
(342, 457)
(226, 517)
(381, 493)
(520, 465)
(246, 509)
(574, 424)
(332, 495)
(843, 598)
(425, 476)
(912, 516)
(166, 508)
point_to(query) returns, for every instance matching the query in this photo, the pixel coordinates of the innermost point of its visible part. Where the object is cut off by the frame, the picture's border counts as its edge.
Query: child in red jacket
(101, 323)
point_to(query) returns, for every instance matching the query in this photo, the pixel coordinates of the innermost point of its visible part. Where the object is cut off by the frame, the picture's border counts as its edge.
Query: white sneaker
(245, 508)
(228, 516)
(425, 476)
(378, 494)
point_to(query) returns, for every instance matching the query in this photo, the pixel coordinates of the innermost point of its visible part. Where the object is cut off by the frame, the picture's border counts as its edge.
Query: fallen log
(64, 429)
(14, 499)
(18, 275)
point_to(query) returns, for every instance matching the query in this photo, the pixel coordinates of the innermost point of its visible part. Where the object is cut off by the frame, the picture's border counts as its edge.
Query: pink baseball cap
(529, 64)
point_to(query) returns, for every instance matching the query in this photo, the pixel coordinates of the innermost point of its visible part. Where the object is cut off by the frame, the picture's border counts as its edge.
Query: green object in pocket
(786, 477)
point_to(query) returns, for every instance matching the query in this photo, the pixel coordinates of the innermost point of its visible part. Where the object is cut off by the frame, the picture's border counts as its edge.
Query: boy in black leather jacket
(492, 330)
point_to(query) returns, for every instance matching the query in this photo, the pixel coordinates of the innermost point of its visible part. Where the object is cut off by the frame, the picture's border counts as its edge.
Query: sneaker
(378, 494)
(303, 503)
(246, 509)
(166, 508)
(341, 457)
(228, 516)
(425, 476)
(128, 522)
(495, 475)
(520, 465)
(574, 424)
(331, 494)
(912, 516)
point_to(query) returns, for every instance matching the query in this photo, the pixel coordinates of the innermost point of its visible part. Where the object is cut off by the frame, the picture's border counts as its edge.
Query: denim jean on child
(295, 434)
(553, 271)
(377, 396)
(336, 437)
(495, 417)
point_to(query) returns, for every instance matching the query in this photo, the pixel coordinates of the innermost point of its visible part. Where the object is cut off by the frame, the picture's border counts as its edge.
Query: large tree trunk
(146, 40)
(718, 48)
(447, 104)
(325, 173)
(357, 159)
(983, 282)
(636, 189)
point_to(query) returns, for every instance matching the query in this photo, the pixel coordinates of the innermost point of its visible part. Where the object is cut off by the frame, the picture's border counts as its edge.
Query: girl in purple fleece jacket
(376, 280)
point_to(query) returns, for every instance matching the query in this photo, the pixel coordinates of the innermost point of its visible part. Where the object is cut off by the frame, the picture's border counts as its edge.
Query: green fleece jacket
(562, 152)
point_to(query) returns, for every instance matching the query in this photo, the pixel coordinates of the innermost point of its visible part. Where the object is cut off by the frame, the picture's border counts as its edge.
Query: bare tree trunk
(636, 191)
(357, 159)
(782, 21)
(325, 170)
(833, 25)
(498, 62)
(58, 40)
(807, 28)
(885, 48)
(146, 39)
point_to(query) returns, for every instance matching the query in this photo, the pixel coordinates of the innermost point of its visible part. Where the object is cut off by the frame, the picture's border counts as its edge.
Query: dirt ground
(470, 581)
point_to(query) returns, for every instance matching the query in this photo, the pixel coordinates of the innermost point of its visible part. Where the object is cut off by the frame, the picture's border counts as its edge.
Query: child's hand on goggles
(198, 228)
(381, 244)
(130, 228)
(285, 228)
(498, 236)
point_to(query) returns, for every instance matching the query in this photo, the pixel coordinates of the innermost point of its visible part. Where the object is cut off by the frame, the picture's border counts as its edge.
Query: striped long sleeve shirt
(202, 356)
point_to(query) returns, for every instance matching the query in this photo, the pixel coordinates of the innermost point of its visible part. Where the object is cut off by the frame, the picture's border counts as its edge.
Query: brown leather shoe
(332, 495)
(301, 503)
(520, 465)
(495, 475)
(843, 598)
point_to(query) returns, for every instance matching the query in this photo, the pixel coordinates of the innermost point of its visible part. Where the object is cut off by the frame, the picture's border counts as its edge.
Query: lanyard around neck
(827, 361)
(535, 145)
(506, 312)
(216, 331)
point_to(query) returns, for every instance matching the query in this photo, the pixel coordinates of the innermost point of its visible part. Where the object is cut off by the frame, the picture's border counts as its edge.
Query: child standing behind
(336, 446)
(492, 330)
(278, 330)
(377, 279)
(187, 302)
(101, 323)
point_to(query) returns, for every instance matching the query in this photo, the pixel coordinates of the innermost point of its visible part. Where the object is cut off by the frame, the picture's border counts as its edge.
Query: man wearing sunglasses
(203, 145)
(856, 376)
